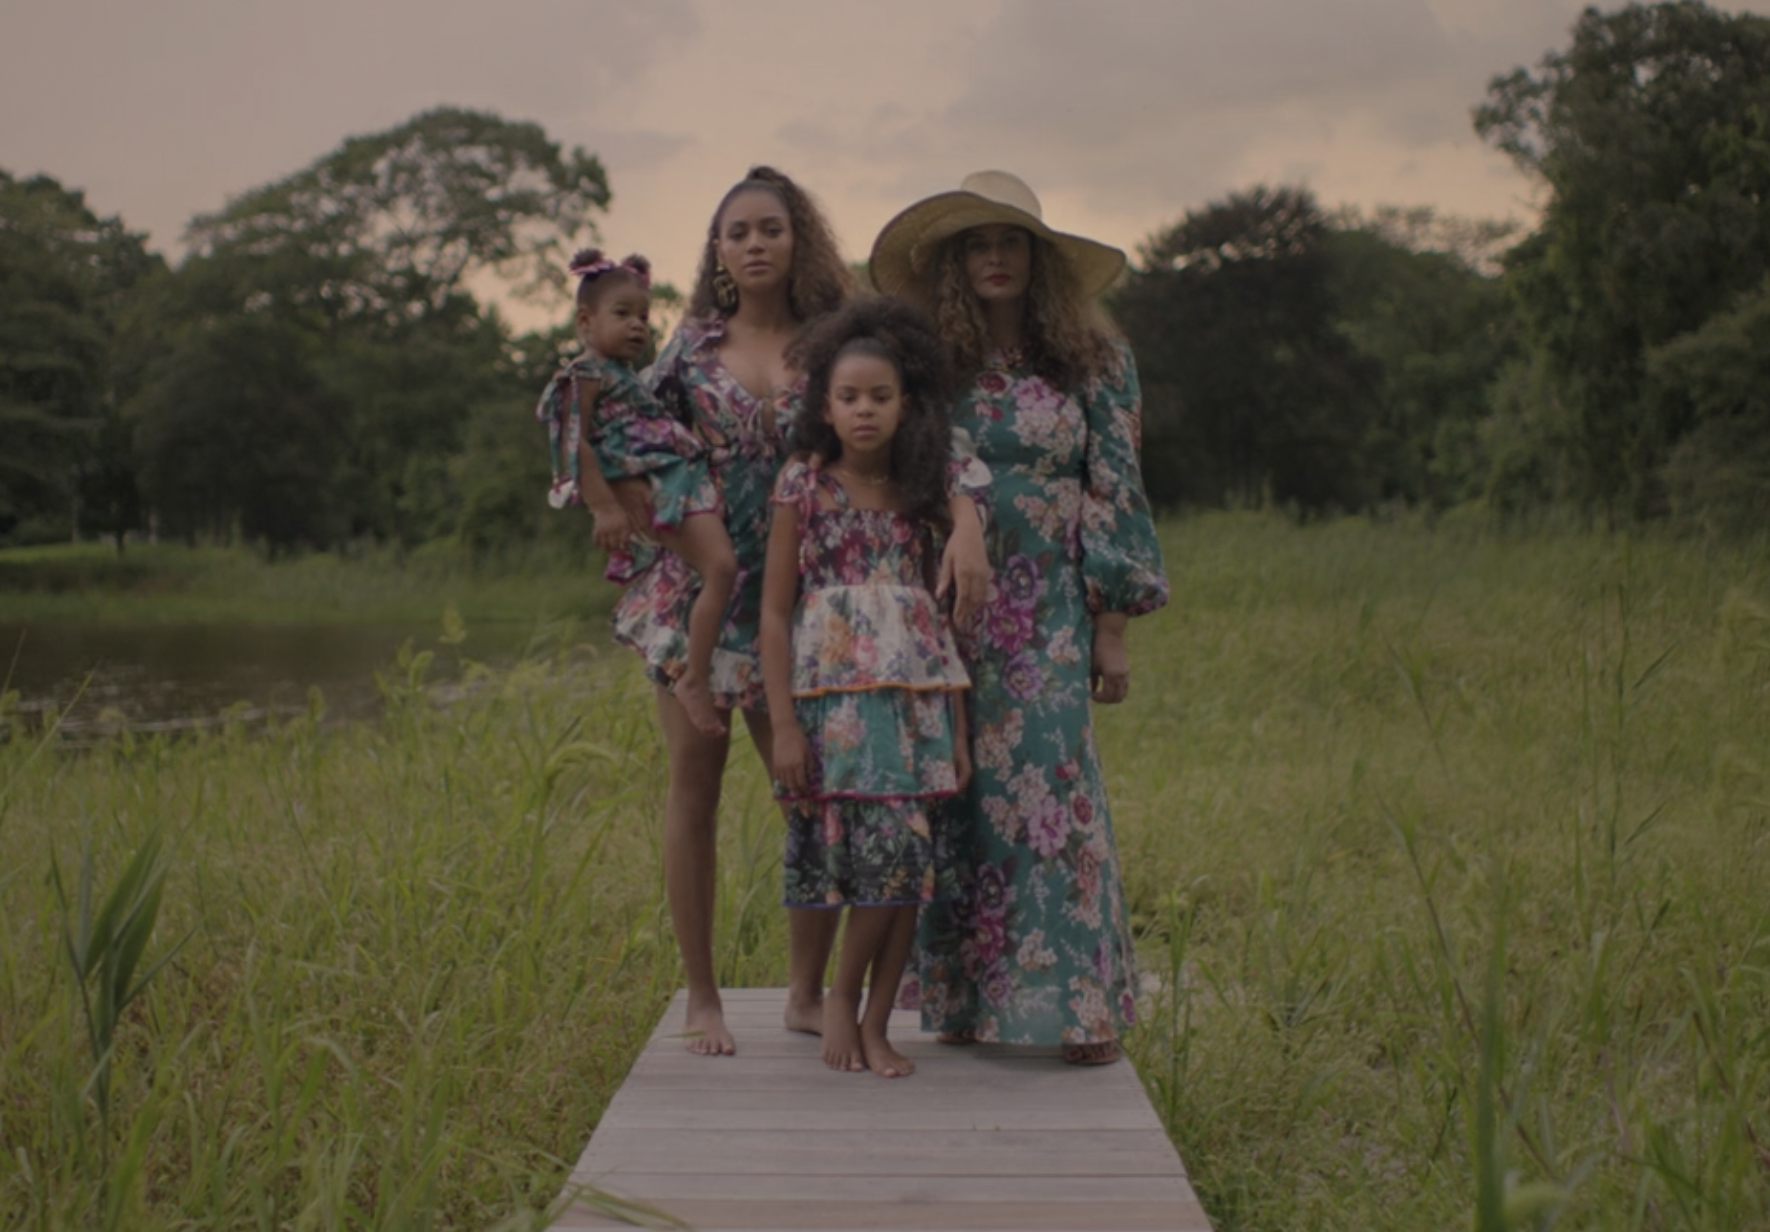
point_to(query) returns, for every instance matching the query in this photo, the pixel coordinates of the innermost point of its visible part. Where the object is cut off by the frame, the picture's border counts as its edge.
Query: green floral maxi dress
(1037, 949)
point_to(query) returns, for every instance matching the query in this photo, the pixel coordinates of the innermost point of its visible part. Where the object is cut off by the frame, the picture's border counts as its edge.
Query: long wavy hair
(819, 280)
(903, 336)
(1067, 337)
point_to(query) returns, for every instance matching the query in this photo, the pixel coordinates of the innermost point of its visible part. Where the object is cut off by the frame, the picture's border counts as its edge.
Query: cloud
(1153, 102)
(182, 104)
(626, 150)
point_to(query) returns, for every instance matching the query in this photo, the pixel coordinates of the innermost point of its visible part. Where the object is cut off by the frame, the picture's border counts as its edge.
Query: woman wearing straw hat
(1039, 949)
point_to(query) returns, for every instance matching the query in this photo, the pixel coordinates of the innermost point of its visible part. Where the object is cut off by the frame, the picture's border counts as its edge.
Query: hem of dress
(875, 686)
(948, 1026)
(895, 902)
(658, 523)
(882, 798)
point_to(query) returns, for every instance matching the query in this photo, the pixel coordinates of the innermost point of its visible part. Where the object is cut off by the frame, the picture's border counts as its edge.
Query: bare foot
(697, 700)
(706, 1031)
(842, 1048)
(804, 1015)
(882, 1058)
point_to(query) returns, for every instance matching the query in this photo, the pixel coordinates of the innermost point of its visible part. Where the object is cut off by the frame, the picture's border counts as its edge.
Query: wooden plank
(1083, 1121)
(887, 1153)
(770, 1040)
(980, 1137)
(668, 1188)
(718, 1216)
(875, 1094)
(793, 1060)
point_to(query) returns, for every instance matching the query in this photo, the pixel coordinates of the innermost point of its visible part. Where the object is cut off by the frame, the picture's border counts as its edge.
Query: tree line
(317, 370)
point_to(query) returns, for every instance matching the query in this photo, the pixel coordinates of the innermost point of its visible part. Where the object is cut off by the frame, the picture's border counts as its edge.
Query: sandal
(1104, 1052)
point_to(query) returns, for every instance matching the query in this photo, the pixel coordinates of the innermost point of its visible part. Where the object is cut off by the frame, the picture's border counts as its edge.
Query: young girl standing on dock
(862, 675)
(608, 433)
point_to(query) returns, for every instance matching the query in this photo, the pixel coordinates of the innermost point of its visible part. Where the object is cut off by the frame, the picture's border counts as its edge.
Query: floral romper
(747, 439)
(875, 675)
(631, 435)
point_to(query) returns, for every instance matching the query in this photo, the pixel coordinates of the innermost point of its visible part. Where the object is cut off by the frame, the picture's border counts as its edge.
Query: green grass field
(174, 584)
(1448, 856)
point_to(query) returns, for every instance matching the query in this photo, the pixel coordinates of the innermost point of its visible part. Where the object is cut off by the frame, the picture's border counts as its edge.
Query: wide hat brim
(908, 242)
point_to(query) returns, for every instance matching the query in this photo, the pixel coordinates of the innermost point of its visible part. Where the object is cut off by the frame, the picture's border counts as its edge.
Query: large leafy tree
(64, 276)
(355, 276)
(1412, 297)
(1251, 391)
(1652, 133)
(1717, 379)
(392, 224)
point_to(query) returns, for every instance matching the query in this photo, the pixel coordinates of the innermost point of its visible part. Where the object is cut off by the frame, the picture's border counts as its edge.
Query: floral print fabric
(632, 437)
(746, 436)
(1037, 950)
(874, 674)
(746, 439)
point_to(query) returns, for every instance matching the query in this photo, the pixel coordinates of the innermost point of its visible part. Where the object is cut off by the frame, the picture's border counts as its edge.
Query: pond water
(171, 677)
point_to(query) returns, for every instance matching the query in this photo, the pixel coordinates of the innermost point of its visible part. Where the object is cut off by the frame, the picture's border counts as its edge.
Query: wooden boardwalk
(978, 1138)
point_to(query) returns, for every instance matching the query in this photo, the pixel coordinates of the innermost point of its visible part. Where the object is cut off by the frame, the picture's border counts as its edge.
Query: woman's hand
(613, 527)
(792, 758)
(964, 568)
(1109, 672)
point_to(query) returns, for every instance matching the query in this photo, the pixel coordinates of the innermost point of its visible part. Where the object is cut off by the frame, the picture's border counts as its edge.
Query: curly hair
(903, 336)
(1067, 337)
(819, 280)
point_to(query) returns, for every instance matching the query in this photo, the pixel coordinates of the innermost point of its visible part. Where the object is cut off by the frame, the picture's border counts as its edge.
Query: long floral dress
(747, 437)
(875, 675)
(1038, 949)
(632, 436)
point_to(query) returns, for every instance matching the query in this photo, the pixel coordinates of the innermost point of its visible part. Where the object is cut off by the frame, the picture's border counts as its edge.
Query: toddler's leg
(704, 546)
(888, 963)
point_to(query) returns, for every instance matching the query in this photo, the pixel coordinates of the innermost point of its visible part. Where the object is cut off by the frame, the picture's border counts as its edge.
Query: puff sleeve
(1121, 558)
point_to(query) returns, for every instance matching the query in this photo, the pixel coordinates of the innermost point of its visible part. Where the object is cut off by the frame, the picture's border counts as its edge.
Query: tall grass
(1447, 854)
(1452, 852)
(420, 956)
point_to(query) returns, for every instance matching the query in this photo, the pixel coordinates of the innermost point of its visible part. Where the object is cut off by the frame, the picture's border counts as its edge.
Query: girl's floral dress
(746, 435)
(875, 672)
(1037, 949)
(631, 436)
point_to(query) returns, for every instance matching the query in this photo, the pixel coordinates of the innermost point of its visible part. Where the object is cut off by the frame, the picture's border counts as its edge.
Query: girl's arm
(613, 527)
(780, 593)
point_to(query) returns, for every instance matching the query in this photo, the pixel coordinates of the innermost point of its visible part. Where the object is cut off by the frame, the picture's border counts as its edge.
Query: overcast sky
(1122, 114)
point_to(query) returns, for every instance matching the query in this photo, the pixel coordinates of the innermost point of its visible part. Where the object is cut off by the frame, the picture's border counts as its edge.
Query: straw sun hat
(904, 248)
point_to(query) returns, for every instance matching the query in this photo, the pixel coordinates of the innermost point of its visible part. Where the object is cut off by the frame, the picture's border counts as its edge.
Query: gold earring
(725, 289)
